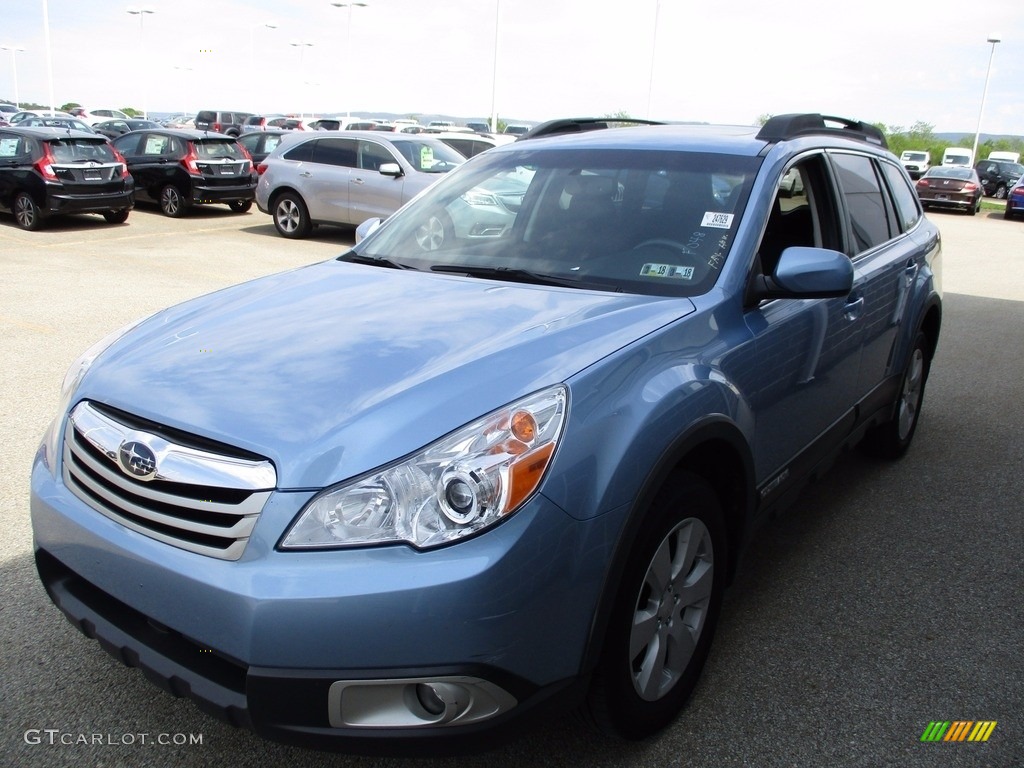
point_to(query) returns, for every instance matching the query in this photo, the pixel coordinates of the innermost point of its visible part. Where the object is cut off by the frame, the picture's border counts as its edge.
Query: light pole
(302, 45)
(14, 67)
(654, 48)
(252, 53)
(141, 13)
(183, 69)
(494, 70)
(984, 95)
(348, 51)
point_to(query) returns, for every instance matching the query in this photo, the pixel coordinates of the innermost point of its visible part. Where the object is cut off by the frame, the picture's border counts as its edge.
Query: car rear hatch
(86, 165)
(222, 162)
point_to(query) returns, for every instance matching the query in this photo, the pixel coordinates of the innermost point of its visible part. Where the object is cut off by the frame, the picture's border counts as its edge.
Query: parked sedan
(45, 172)
(114, 128)
(347, 177)
(65, 123)
(1015, 202)
(179, 169)
(952, 187)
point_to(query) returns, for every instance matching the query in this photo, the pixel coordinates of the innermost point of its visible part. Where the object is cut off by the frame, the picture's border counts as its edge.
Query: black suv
(181, 168)
(998, 176)
(49, 171)
(221, 121)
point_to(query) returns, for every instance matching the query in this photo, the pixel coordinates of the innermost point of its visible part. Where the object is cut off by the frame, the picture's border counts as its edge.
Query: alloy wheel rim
(25, 212)
(288, 215)
(910, 400)
(671, 609)
(171, 201)
(430, 236)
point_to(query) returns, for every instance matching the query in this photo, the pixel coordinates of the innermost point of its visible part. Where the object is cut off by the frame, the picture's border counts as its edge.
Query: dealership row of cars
(303, 173)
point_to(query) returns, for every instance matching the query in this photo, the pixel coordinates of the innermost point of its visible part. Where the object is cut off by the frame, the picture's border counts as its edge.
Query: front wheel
(664, 614)
(436, 232)
(1000, 193)
(240, 206)
(891, 439)
(26, 212)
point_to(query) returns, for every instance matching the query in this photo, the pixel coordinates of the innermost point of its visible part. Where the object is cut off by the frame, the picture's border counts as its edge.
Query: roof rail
(580, 125)
(782, 127)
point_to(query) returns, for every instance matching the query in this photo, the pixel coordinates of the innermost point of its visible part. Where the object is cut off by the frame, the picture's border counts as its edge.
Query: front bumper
(260, 642)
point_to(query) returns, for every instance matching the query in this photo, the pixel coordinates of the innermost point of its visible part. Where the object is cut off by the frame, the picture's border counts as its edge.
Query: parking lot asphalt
(887, 598)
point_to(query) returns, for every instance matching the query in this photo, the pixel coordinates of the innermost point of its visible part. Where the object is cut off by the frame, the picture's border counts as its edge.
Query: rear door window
(908, 208)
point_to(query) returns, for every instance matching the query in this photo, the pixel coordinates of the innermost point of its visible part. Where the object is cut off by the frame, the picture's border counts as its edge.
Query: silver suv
(347, 177)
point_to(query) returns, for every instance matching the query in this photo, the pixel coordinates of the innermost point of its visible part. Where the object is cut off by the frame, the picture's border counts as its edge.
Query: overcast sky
(895, 62)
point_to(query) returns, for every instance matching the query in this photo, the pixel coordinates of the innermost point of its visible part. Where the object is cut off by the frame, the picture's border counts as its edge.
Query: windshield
(212, 149)
(428, 155)
(917, 157)
(950, 173)
(637, 221)
(81, 150)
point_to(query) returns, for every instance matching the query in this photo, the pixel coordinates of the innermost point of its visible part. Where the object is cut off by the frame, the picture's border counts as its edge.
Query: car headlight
(455, 487)
(68, 388)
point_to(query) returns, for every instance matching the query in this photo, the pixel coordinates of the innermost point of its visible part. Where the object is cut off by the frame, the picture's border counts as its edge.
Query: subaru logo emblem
(137, 459)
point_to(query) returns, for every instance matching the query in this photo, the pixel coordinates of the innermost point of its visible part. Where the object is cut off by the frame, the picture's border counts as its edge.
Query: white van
(958, 156)
(1010, 157)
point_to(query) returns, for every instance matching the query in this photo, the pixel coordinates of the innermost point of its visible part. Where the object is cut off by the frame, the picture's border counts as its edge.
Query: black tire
(891, 439)
(291, 217)
(172, 202)
(973, 210)
(665, 612)
(436, 233)
(1008, 213)
(26, 213)
(240, 206)
(116, 217)
(1000, 193)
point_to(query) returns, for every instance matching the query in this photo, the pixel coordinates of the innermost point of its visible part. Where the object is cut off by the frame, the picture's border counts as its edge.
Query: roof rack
(580, 125)
(782, 127)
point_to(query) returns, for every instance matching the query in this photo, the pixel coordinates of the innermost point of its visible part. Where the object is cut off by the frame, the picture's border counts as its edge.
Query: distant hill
(953, 136)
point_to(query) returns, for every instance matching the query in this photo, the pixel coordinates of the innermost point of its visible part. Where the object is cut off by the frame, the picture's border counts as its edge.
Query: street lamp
(494, 70)
(252, 37)
(654, 48)
(183, 69)
(348, 50)
(252, 53)
(984, 95)
(141, 13)
(302, 45)
(14, 67)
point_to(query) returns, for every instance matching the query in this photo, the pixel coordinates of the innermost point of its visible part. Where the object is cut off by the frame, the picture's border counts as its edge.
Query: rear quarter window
(869, 220)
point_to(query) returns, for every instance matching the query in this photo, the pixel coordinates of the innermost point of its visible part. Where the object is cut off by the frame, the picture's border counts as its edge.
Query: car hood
(335, 369)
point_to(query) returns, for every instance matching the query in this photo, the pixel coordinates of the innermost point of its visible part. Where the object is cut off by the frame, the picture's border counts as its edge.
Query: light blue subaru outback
(502, 456)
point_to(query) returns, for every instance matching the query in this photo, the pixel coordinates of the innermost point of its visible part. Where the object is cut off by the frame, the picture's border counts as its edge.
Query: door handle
(853, 308)
(305, 174)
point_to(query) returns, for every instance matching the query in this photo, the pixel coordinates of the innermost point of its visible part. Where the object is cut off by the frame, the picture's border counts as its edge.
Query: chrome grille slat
(200, 501)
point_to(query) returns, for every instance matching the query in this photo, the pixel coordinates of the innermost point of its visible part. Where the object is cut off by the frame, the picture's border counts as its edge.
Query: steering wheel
(664, 242)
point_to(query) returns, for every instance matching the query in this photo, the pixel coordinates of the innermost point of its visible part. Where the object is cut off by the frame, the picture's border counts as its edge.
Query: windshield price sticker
(670, 271)
(717, 220)
(426, 157)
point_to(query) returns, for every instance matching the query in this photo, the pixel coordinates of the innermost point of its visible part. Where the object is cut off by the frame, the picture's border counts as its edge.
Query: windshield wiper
(373, 261)
(508, 273)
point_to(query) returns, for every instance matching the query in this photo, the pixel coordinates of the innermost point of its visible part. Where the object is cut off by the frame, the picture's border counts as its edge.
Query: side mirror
(390, 169)
(806, 273)
(366, 228)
